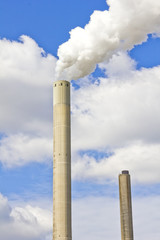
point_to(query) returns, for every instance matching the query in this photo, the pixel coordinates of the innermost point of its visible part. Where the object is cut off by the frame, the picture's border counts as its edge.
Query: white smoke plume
(125, 24)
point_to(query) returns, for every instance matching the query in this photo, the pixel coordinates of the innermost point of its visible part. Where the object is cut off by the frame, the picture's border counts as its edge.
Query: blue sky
(48, 22)
(146, 54)
(115, 114)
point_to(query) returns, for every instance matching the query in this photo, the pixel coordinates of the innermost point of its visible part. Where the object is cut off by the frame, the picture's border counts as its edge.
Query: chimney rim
(125, 172)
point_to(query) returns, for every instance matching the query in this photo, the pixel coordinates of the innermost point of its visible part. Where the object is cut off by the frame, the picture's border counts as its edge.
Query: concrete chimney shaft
(61, 162)
(125, 206)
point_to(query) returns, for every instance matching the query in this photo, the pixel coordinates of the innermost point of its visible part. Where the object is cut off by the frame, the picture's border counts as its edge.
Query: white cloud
(27, 223)
(92, 218)
(119, 115)
(142, 160)
(121, 109)
(5, 209)
(24, 61)
(17, 150)
(26, 78)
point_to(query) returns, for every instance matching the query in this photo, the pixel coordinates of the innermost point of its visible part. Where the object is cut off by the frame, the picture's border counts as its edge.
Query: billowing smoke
(125, 24)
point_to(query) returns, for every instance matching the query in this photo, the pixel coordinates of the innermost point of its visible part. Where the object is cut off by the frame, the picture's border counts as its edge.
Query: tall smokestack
(125, 206)
(62, 162)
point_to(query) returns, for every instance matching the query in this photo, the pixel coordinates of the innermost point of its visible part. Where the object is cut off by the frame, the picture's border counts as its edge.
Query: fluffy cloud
(30, 222)
(17, 150)
(27, 223)
(118, 110)
(118, 115)
(24, 61)
(26, 78)
(142, 160)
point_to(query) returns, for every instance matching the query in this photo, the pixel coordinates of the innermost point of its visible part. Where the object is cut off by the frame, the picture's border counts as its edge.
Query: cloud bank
(118, 115)
(30, 222)
(24, 223)
(17, 150)
(26, 78)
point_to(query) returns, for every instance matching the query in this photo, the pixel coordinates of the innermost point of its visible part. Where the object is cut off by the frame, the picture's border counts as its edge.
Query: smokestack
(62, 162)
(125, 206)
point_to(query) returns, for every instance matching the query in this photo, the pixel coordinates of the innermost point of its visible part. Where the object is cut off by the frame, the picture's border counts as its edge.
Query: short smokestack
(125, 206)
(61, 162)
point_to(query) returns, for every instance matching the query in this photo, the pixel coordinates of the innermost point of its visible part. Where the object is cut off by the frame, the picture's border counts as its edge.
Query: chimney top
(125, 172)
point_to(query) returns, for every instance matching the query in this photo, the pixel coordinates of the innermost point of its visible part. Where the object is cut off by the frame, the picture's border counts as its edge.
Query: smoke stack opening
(125, 172)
